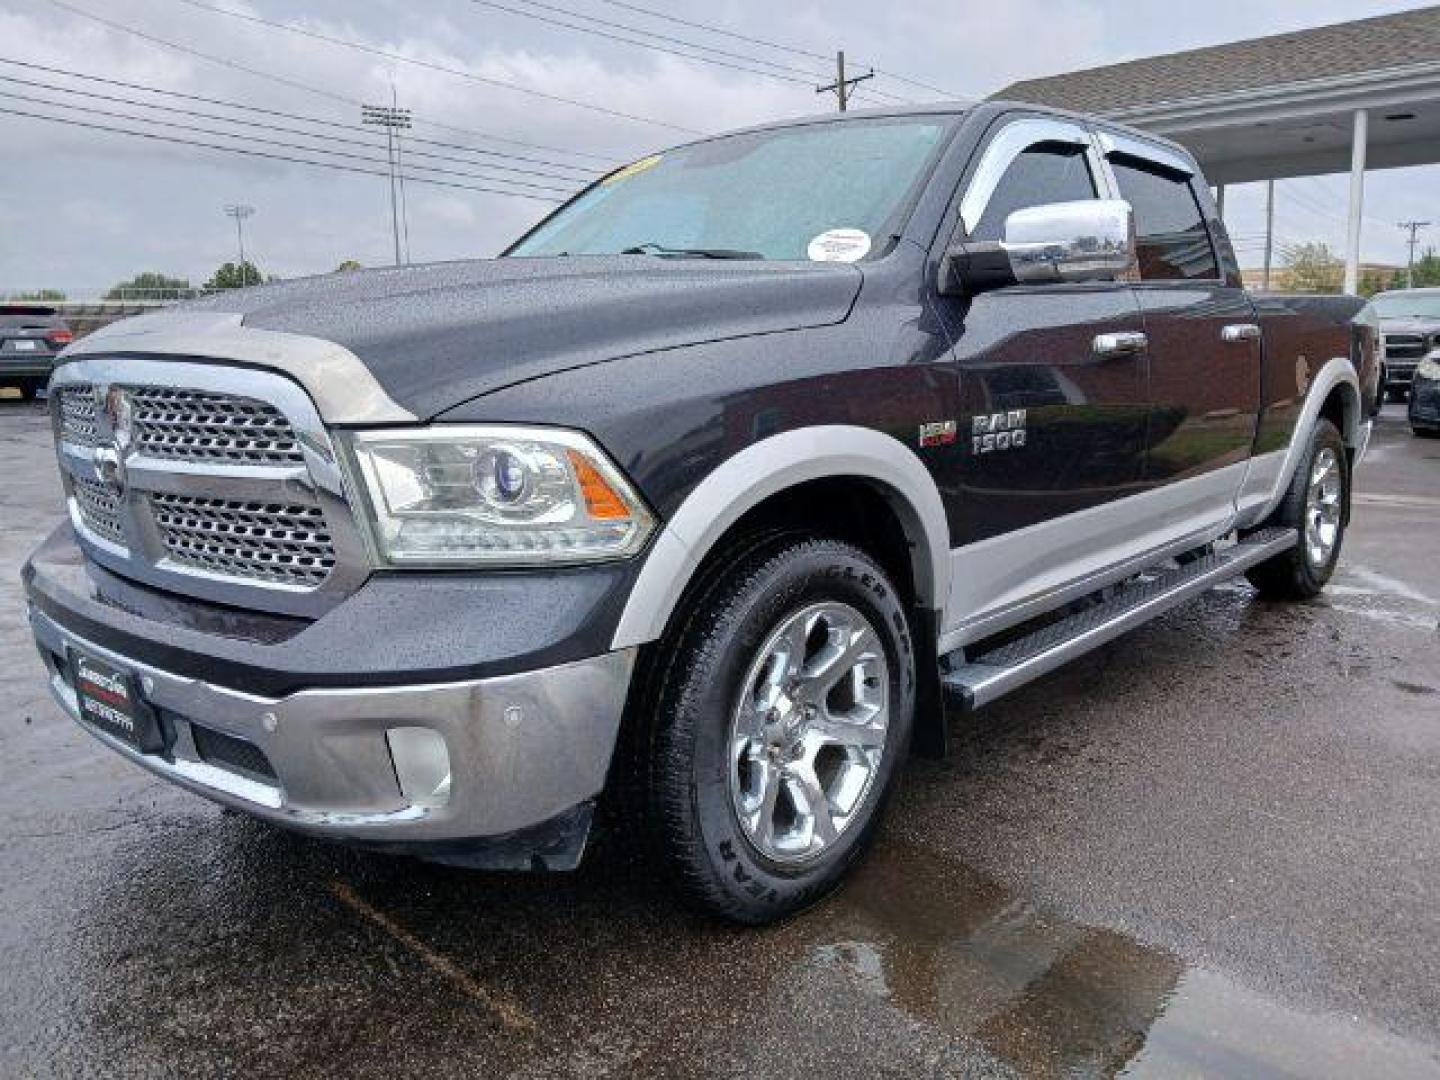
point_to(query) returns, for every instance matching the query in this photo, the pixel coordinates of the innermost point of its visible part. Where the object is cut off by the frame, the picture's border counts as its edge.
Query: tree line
(152, 285)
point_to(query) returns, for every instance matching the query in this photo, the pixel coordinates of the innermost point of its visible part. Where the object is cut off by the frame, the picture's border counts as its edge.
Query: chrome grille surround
(227, 487)
(194, 425)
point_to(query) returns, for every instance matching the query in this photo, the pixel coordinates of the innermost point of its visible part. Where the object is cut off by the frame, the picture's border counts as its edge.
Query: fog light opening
(422, 765)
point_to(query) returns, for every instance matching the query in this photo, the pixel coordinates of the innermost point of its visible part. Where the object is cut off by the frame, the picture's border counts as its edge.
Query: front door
(1054, 404)
(1054, 399)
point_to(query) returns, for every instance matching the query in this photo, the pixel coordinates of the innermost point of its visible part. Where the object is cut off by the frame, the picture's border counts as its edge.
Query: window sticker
(839, 245)
(632, 169)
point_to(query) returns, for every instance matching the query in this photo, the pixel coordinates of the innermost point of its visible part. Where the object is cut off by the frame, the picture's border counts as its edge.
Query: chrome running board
(988, 675)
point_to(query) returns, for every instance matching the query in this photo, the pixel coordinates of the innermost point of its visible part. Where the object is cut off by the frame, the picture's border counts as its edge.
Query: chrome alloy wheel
(1323, 507)
(809, 732)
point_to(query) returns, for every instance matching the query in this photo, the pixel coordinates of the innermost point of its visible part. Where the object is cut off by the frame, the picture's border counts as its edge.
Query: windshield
(1407, 305)
(827, 192)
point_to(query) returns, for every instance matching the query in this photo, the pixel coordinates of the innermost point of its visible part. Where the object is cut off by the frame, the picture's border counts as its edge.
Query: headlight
(1429, 368)
(448, 495)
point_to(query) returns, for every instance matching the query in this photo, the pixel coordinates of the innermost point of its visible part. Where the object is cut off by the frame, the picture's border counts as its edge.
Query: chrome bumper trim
(522, 748)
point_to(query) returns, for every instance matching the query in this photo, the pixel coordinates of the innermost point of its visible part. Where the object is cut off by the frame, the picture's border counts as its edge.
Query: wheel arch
(767, 471)
(1333, 394)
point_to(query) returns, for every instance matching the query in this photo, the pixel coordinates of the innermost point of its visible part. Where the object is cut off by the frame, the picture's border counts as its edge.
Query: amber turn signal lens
(601, 499)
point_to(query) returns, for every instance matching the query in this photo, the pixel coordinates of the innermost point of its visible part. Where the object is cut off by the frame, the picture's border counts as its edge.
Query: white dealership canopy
(1356, 95)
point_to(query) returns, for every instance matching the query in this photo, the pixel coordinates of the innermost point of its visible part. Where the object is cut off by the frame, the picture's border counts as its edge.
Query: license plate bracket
(108, 700)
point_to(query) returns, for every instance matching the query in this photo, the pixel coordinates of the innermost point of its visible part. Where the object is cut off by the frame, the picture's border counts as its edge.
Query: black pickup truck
(700, 505)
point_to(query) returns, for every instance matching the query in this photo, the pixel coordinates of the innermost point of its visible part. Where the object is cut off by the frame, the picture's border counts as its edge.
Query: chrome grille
(99, 506)
(76, 408)
(285, 544)
(192, 425)
(1404, 346)
(189, 476)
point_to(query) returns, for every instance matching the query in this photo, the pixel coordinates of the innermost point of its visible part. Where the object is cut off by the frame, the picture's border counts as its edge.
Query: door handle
(1124, 343)
(1245, 331)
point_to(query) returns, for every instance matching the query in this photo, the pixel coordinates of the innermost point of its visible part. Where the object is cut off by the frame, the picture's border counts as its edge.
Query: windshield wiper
(699, 253)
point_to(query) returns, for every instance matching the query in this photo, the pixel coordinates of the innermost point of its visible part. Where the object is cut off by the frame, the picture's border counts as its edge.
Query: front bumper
(298, 721)
(523, 750)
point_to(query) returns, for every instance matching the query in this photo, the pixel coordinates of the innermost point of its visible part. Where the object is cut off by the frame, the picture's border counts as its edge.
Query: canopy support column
(1358, 136)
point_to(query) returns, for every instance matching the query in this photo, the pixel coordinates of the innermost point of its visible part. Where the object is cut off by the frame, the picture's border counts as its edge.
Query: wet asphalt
(1212, 848)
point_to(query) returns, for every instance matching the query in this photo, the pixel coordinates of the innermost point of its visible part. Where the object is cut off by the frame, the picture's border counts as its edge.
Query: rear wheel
(1316, 506)
(778, 728)
(29, 388)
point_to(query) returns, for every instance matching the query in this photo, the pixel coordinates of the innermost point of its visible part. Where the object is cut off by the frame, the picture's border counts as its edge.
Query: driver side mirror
(1089, 240)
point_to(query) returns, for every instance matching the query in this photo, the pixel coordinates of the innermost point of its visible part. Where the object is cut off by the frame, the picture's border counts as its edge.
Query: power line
(271, 127)
(199, 130)
(295, 84)
(70, 121)
(246, 107)
(781, 72)
(763, 42)
(428, 65)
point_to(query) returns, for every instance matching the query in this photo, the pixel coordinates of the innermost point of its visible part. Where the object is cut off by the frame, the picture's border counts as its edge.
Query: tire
(1395, 393)
(1425, 433)
(28, 389)
(1318, 511)
(731, 755)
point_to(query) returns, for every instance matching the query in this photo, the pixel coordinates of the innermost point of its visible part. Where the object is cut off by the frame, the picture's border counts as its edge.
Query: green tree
(150, 285)
(1427, 269)
(1314, 268)
(39, 295)
(1373, 281)
(235, 276)
(347, 265)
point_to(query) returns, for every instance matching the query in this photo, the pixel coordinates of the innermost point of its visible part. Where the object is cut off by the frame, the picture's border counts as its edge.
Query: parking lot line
(508, 1012)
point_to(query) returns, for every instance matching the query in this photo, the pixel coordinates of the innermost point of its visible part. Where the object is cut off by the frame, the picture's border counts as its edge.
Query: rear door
(1202, 330)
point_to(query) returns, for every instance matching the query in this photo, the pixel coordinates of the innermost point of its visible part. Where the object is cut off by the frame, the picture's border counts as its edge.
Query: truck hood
(1409, 326)
(436, 336)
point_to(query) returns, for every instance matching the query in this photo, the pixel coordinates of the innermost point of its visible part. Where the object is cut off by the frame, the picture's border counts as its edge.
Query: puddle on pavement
(1052, 997)
(920, 966)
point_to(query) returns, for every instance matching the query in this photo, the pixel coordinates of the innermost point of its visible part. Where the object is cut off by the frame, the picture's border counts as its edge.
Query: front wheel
(781, 720)
(1316, 506)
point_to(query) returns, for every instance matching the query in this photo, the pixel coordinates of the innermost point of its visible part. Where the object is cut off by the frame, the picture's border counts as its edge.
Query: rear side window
(1172, 241)
(1044, 173)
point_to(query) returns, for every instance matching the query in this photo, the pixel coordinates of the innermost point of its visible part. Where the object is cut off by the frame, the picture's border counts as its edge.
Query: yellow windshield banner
(633, 168)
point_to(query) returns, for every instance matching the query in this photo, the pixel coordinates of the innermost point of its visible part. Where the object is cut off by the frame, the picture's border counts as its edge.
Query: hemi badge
(938, 433)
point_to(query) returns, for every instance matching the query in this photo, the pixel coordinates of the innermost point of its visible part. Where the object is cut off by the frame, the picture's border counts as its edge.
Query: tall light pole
(393, 120)
(239, 211)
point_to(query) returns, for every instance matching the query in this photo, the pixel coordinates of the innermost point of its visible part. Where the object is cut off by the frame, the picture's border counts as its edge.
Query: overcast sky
(81, 208)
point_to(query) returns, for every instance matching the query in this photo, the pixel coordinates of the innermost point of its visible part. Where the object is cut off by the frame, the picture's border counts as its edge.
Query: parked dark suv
(31, 336)
(1410, 329)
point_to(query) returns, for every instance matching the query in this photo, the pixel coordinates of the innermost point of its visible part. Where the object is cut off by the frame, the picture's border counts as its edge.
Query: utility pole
(393, 120)
(1269, 230)
(1414, 228)
(239, 211)
(841, 86)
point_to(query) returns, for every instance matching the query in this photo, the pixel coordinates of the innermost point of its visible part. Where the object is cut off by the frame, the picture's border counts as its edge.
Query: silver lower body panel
(522, 749)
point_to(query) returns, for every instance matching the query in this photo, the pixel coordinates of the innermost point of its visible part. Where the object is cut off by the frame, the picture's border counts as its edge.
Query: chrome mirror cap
(1089, 240)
